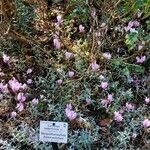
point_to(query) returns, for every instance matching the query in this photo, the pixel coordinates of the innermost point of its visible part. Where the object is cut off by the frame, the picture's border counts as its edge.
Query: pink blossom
(147, 100)
(15, 85)
(110, 98)
(104, 85)
(29, 71)
(68, 55)
(134, 135)
(118, 117)
(2, 74)
(29, 81)
(6, 58)
(3, 88)
(94, 66)
(13, 114)
(129, 107)
(81, 28)
(107, 55)
(59, 82)
(136, 23)
(70, 114)
(24, 86)
(131, 26)
(57, 43)
(21, 97)
(71, 74)
(20, 106)
(105, 103)
(146, 123)
(59, 20)
(69, 106)
(141, 59)
(35, 101)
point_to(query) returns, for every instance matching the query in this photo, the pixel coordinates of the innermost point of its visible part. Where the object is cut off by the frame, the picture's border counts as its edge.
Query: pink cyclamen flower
(104, 85)
(29, 71)
(147, 100)
(134, 135)
(4, 88)
(35, 101)
(129, 107)
(71, 115)
(20, 106)
(68, 55)
(107, 55)
(110, 98)
(21, 97)
(131, 26)
(59, 20)
(105, 103)
(6, 58)
(2, 74)
(136, 24)
(71, 74)
(15, 85)
(146, 123)
(29, 81)
(57, 43)
(81, 28)
(94, 66)
(13, 114)
(141, 59)
(69, 106)
(59, 82)
(118, 117)
(24, 86)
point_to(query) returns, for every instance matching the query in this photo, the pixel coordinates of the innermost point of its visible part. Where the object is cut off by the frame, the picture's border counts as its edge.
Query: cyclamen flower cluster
(107, 55)
(108, 101)
(132, 25)
(70, 74)
(81, 28)
(94, 66)
(56, 40)
(147, 100)
(68, 55)
(146, 123)
(6, 59)
(71, 114)
(118, 117)
(104, 85)
(141, 59)
(16, 86)
(129, 107)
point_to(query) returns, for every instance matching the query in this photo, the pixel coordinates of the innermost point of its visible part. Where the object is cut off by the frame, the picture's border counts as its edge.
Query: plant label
(51, 131)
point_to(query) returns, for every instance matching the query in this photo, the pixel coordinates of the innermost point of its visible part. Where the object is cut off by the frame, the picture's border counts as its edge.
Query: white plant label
(51, 131)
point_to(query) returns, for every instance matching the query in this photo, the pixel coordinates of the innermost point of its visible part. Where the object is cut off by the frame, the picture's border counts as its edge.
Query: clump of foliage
(89, 68)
